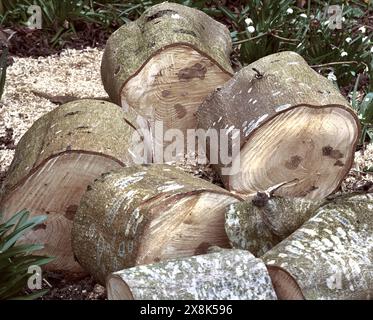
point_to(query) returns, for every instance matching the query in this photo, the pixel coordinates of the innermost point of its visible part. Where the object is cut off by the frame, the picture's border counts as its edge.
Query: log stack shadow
(146, 229)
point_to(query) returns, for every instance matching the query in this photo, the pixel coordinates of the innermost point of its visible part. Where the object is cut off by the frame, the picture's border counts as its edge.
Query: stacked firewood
(149, 230)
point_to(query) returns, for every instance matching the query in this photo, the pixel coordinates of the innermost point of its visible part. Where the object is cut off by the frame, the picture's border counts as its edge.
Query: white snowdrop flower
(348, 40)
(326, 23)
(332, 77)
(248, 21)
(303, 15)
(365, 38)
(289, 11)
(371, 49)
(251, 29)
(344, 53)
(362, 29)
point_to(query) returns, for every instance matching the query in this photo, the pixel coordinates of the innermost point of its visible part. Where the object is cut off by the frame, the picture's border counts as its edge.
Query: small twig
(282, 38)
(270, 191)
(261, 198)
(333, 64)
(63, 99)
(250, 39)
(270, 33)
(48, 284)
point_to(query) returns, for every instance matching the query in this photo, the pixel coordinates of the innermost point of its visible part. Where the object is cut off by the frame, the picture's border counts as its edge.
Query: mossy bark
(331, 255)
(224, 275)
(258, 225)
(122, 210)
(161, 26)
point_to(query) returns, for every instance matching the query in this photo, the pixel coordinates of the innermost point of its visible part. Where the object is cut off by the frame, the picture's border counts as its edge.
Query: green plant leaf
(366, 108)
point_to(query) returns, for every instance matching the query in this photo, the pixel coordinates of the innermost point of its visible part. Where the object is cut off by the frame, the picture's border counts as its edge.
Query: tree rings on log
(330, 256)
(259, 224)
(165, 63)
(55, 160)
(145, 214)
(295, 128)
(224, 275)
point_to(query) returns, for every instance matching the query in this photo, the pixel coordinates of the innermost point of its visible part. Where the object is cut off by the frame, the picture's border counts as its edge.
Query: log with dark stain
(70, 211)
(180, 110)
(196, 71)
(328, 151)
(293, 163)
(202, 248)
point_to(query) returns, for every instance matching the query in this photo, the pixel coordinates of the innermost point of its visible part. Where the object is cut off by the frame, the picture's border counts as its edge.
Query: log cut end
(55, 189)
(285, 286)
(177, 79)
(311, 153)
(185, 225)
(117, 289)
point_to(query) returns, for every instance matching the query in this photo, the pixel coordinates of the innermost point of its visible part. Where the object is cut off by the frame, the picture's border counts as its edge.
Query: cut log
(165, 63)
(225, 275)
(145, 214)
(294, 126)
(330, 256)
(259, 224)
(54, 162)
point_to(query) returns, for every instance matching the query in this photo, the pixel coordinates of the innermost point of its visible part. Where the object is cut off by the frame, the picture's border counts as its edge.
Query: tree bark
(224, 275)
(144, 214)
(259, 224)
(330, 256)
(293, 126)
(54, 162)
(165, 63)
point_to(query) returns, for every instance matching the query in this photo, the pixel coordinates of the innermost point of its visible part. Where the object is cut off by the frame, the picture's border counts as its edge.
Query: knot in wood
(260, 199)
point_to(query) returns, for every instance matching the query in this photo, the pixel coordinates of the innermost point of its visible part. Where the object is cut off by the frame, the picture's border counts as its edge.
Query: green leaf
(366, 108)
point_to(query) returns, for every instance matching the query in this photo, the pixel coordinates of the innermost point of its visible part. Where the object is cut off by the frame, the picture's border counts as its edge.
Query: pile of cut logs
(152, 231)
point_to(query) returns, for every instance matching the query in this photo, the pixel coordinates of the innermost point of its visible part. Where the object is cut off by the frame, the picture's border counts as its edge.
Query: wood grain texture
(144, 214)
(294, 127)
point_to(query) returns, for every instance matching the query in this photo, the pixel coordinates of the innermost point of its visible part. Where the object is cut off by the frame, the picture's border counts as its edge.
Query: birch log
(165, 63)
(293, 126)
(224, 275)
(259, 224)
(54, 162)
(330, 256)
(145, 214)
